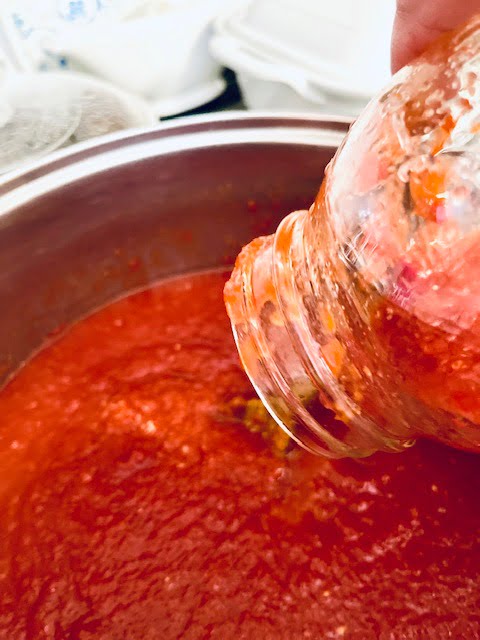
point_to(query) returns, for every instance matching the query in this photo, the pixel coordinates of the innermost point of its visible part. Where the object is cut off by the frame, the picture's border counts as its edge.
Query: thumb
(419, 22)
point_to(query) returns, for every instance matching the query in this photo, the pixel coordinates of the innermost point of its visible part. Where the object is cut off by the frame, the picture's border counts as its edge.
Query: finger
(419, 22)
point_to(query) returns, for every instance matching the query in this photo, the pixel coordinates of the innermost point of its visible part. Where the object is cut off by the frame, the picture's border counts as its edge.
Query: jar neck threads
(284, 347)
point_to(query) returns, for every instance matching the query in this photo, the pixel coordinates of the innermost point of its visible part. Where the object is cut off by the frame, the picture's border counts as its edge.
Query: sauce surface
(136, 504)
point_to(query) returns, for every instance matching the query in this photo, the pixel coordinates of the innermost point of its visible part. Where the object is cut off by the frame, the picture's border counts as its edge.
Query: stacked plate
(155, 49)
(309, 55)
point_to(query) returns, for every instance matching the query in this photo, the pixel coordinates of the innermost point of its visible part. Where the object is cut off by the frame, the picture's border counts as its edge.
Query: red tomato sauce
(136, 505)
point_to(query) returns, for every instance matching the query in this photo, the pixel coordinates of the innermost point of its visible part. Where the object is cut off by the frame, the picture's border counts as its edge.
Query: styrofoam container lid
(346, 43)
(236, 54)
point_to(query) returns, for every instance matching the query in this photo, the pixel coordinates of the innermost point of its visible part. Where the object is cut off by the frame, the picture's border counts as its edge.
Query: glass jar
(358, 322)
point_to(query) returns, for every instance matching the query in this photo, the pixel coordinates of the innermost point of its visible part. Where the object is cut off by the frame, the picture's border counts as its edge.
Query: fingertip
(401, 45)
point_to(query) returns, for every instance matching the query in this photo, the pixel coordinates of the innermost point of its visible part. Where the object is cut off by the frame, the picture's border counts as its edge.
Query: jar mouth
(275, 360)
(282, 405)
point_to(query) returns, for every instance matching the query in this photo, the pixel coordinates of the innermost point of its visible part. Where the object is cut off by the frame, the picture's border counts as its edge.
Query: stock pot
(92, 223)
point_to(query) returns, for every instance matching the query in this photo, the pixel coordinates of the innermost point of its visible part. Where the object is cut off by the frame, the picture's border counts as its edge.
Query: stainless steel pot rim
(74, 163)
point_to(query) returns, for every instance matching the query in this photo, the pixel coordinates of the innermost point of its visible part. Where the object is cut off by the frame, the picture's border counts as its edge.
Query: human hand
(419, 22)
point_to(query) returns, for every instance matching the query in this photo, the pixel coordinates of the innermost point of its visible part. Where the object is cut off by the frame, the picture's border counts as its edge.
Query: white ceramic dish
(159, 51)
(189, 99)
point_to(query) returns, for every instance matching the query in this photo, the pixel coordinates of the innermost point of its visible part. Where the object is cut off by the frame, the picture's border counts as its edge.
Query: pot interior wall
(82, 244)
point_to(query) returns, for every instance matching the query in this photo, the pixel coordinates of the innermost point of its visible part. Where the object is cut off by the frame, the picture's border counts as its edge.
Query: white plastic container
(312, 55)
(267, 84)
